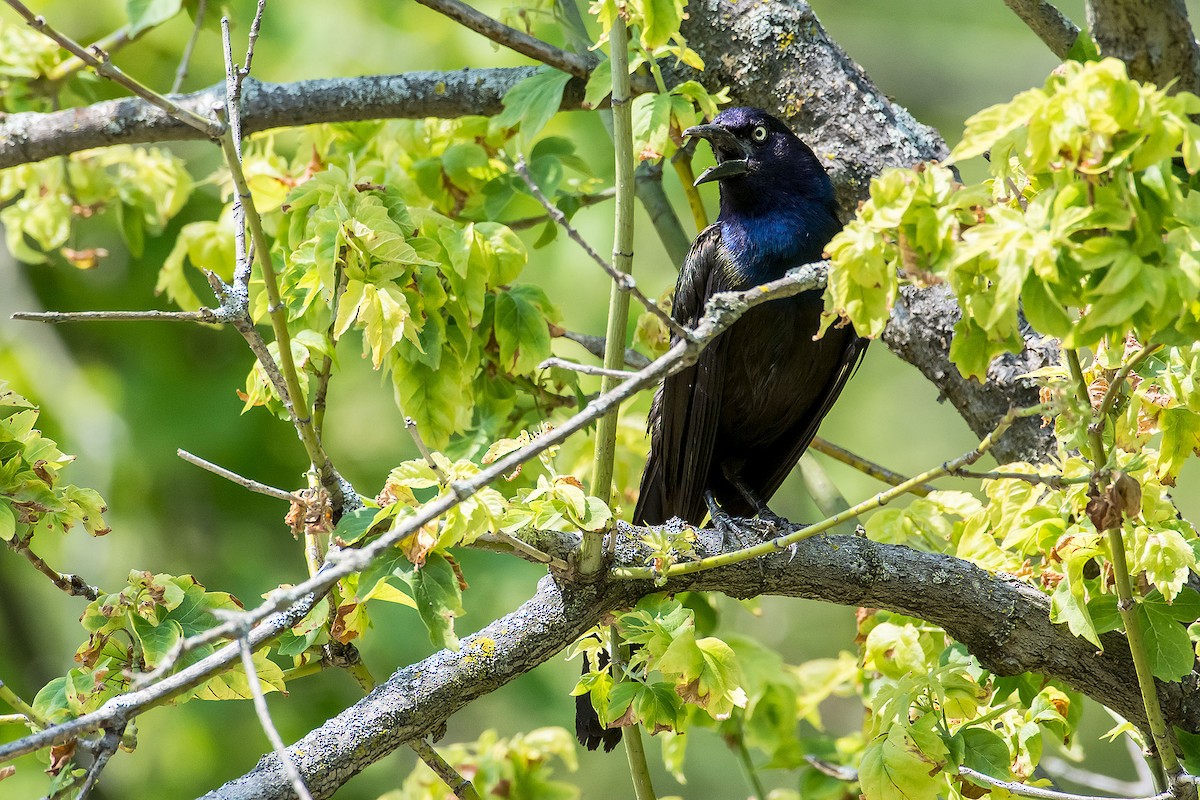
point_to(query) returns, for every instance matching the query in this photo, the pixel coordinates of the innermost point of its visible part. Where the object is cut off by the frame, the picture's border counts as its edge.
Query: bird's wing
(775, 467)
(686, 409)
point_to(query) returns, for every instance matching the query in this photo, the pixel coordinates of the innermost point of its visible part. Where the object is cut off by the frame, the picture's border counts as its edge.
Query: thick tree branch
(1051, 26)
(31, 136)
(1153, 37)
(1002, 621)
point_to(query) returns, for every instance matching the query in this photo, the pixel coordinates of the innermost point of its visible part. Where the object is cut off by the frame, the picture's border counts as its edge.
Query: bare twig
(264, 719)
(523, 43)
(877, 471)
(98, 60)
(58, 317)
(108, 745)
(252, 40)
(1022, 790)
(110, 44)
(1050, 25)
(186, 58)
(411, 425)
(461, 787)
(252, 485)
(1117, 382)
(595, 346)
(71, 584)
(583, 369)
(584, 200)
(624, 280)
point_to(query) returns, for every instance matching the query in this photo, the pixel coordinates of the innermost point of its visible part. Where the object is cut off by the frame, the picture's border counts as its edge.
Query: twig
(426, 453)
(248, 483)
(24, 710)
(462, 788)
(110, 44)
(73, 585)
(1053, 481)
(185, 60)
(738, 744)
(246, 217)
(623, 279)
(1118, 380)
(1022, 790)
(1058, 32)
(285, 607)
(881, 473)
(584, 200)
(778, 543)
(58, 317)
(99, 61)
(595, 346)
(14, 719)
(1060, 768)
(264, 719)
(583, 369)
(108, 745)
(506, 543)
(252, 40)
(825, 495)
(523, 43)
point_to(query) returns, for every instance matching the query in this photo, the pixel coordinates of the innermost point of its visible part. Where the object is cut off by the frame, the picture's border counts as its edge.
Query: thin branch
(825, 494)
(624, 280)
(583, 200)
(247, 483)
(521, 42)
(110, 44)
(108, 745)
(1053, 481)
(182, 71)
(1117, 382)
(252, 40)
(583, 369)
(785, 541)
(411, 425)
(26, 711)
(505, 543)
(1050, 25)
(73, 585)
(264, 719)
(1023, 790)
(98, 60)
(58, 317)
(865, 466)
(595, 346)
(461, 787)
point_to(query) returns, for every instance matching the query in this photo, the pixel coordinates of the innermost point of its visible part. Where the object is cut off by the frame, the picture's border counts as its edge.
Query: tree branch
(31, 136)
(1153, 37)
(1050, 25)
(1003, 622)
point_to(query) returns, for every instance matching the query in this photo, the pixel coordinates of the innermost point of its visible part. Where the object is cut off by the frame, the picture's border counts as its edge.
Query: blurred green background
(125, 396)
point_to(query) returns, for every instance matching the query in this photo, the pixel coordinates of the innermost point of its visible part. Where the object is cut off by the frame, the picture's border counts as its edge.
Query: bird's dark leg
(760, 506)
(731, 529)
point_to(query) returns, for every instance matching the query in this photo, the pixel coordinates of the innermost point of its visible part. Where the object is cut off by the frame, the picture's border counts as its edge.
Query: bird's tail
(589, 730)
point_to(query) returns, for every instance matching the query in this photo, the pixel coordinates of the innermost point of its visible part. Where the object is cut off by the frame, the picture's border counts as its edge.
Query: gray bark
(1153, 37)
(1003, 622)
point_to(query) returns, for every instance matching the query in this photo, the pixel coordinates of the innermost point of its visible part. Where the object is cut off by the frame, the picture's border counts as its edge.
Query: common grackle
(736, 422)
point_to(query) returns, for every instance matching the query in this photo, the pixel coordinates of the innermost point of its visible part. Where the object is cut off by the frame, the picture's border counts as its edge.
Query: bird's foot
(734, 530)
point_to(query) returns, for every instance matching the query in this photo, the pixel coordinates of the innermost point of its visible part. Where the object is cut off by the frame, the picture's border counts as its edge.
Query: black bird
(736, 422)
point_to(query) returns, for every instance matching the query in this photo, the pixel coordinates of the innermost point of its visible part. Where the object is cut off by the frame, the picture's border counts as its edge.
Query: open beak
(725, 147)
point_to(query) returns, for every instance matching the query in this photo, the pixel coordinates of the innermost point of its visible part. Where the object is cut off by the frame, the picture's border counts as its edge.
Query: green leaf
(1167, 643)
(439, 599)
(599, 85)
(985, 751)
(8, 521)
(532, 102)
(148, 13)
(893, 768)
(660, 21)
(521, 330)
(1083, 49)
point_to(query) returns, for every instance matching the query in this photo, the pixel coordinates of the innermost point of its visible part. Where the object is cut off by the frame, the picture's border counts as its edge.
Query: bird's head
(756, 152)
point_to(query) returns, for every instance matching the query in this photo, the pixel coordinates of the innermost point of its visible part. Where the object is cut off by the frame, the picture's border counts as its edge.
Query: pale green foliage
(25, 56)
(1086, 224)
(143, 187)
(520, 766)
(32, 499)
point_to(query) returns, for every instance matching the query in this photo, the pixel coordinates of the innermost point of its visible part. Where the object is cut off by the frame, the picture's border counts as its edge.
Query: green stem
(635, 752)
(682, 162)
(591, 556)
(462, 788)
(304, 670)
(825, 494)
(1126, 604)
(10, 698)
(782, 542)
(746, 762)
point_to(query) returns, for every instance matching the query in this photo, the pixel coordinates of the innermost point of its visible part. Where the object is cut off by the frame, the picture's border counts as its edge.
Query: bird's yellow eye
(759, 134)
